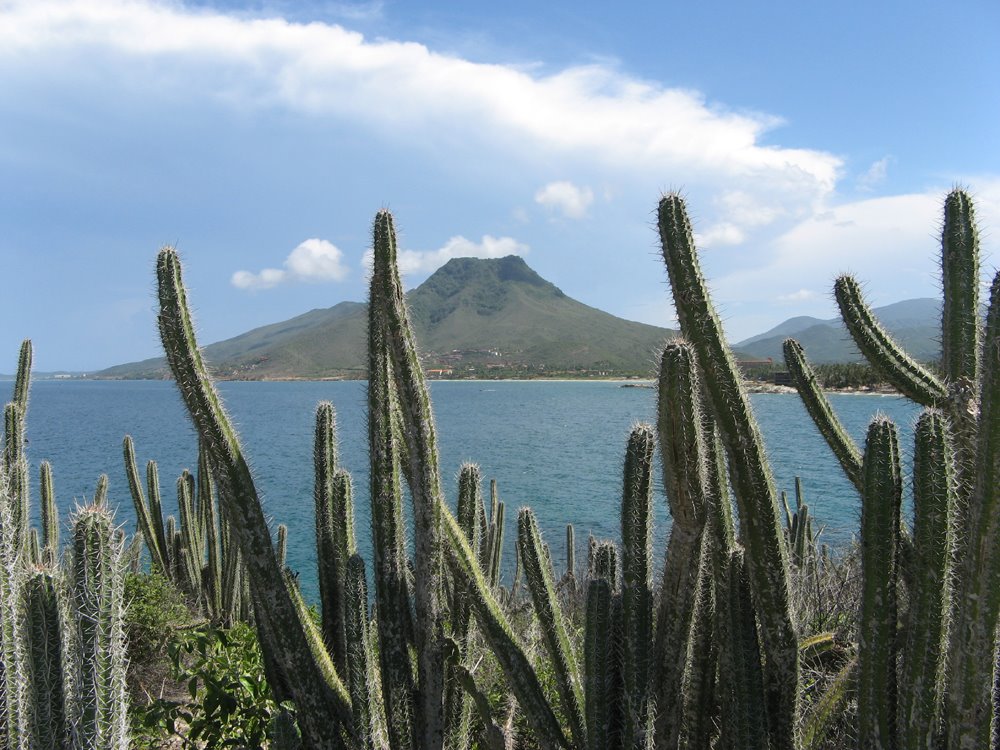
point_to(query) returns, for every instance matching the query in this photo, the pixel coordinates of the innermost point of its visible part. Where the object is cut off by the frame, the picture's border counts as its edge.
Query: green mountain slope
(914, 323)
(471, 317)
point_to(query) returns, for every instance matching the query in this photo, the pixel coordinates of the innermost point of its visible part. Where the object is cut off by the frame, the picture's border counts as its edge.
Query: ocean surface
(555, 446)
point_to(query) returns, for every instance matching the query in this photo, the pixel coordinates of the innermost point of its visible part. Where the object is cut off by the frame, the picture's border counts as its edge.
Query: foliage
(229, 703)
(154, 610)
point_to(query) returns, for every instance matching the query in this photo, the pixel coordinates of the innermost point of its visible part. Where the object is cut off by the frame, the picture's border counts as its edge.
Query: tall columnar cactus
(45, 635)
(880, 508)
(293, 673)
(922, 677)
(98, 709)
(766, 555)
(49, 513)
(637, 583)
(679, 423)
(387, 307)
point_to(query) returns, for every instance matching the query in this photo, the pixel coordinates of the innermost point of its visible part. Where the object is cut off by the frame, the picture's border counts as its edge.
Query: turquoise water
(556, 446)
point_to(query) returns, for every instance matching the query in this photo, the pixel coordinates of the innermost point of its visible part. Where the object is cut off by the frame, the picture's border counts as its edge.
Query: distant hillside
(914, 323)
(471, 317)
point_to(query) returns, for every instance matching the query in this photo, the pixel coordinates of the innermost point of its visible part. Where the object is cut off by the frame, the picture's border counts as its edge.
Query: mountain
(914, 323)
(471, 317)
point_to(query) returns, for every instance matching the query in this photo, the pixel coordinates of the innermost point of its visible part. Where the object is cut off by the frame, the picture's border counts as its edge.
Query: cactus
(766, 555)
(922, 679)
(637, 582)
(98, 705)
(543, 594)
(293, 674)
(880, 509)
(44, 631)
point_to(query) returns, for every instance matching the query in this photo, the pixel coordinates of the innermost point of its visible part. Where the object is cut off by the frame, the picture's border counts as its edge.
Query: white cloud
(566, 198)
(426, 261)
(720, 234)
(875, 175)
(592, 112)
(313, 261)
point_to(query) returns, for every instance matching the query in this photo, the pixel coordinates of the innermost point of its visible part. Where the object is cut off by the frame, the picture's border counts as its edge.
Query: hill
(914, 323)
(472, 317)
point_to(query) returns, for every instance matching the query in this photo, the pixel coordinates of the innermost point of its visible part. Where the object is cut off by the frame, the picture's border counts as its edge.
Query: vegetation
(751, 636)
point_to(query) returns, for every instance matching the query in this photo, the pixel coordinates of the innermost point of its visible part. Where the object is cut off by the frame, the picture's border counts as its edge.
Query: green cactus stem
(922, 677)
(388, 542)
(293, 673)
(546, 603)
(680, 425)
(886, 356)
(977, 579)
(880, 508)
(50, 512)
(598, 655)
(740, 674)
(497, 631)
(150, 524)
(818, 406)
(281, 548)
(766, 555)
(422, 474)
(359, 658)
(44, 632)
(960, 332)
(637, 582)
(98, 710)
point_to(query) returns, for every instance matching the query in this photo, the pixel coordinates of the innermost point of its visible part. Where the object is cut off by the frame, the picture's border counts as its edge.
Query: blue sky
(261, 137)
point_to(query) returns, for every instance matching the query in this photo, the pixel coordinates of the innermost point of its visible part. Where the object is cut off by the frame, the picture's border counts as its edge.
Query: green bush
(228, 701)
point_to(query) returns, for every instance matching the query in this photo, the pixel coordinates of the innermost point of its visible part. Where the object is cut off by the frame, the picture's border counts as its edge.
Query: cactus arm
(543, 595)
(50, 512)
(960, 329)
(458, 706)
(496, 629)
(22, 380)
(192, 559)
(741, 680)
(423, 476)
(496, 551)
(880, 506)
(212, 575)
(329, 575)
(682, 450)
(823, 416)
(360, 660)
(637, 583)
(701, 715)
(598, 657)
(392, 595)
(886, 356)
(767, 560)
(99, 704)
(922, 676)
(44, 631)
(977, 579)
(294, 674)
(15, 467)
(281, 547)
(143, 512)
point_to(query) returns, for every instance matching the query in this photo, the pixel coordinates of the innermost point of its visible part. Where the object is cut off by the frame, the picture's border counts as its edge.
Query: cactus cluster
(704, 653)
(62, 639)
(934, 684)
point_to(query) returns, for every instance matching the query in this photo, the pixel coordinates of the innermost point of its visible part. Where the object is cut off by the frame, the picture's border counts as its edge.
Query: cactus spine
(45, 635)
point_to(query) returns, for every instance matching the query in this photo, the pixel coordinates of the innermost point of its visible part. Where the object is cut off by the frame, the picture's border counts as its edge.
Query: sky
(260, 139)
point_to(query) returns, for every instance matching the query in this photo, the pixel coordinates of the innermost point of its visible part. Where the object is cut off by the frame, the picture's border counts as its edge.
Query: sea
(556, 446)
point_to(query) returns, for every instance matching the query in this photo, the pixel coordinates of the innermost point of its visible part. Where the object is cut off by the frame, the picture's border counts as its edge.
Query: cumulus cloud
(426, 261)
(313, 261)
(800, 296)
(594, 111)
(566, 198)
